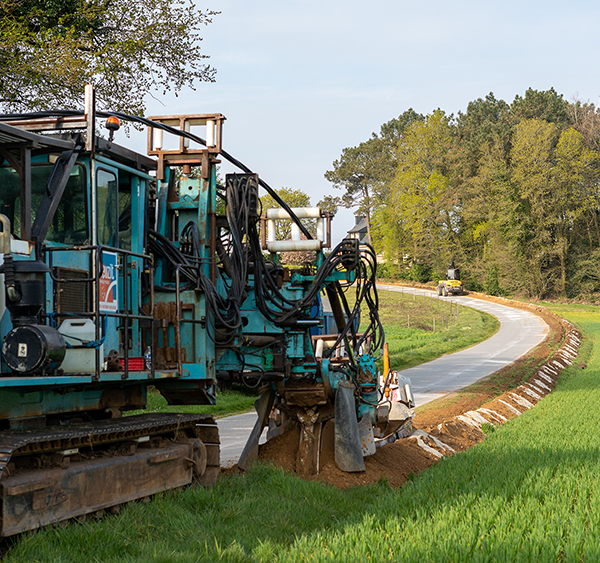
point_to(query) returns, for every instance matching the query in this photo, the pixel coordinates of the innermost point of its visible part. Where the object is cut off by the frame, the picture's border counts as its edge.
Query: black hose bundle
(245, 253)
(226, 311)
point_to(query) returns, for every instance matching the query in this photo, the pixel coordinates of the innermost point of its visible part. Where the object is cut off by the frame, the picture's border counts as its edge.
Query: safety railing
(95, 313)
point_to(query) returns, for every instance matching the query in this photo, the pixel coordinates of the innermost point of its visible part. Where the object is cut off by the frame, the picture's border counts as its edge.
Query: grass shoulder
(237, 400)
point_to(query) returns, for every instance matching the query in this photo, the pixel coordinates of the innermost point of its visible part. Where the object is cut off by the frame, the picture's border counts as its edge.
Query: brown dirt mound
(282, 449)
(393, 462)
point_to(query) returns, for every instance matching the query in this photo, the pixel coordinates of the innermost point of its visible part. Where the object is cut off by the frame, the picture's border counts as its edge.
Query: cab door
(120, 216)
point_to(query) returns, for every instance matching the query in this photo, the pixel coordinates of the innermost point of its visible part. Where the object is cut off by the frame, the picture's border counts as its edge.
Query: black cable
(225, 311)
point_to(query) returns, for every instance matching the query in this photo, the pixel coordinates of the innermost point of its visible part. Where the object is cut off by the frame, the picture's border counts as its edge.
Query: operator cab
(453, 272)
(68, 208)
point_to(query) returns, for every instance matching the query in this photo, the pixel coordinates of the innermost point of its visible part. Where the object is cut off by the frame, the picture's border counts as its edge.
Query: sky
(301, 81)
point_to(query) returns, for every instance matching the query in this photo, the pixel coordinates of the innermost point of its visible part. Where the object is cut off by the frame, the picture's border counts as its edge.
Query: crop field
(529, 492)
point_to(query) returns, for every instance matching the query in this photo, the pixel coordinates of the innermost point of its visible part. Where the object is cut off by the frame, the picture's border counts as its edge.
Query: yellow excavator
(452, 283)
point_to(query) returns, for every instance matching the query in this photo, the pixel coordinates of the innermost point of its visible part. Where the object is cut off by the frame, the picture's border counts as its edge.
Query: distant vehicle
(452, 283)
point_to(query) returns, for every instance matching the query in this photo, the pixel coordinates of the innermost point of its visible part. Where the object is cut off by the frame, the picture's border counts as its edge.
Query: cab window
(106, 189)
(69, 225)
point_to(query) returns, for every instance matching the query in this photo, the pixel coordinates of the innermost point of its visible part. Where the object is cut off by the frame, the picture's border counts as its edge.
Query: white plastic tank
(80, 358)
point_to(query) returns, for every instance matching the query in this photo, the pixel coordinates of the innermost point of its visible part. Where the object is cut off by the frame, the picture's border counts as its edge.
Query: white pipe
(210, 133)
(89, 116)
(321, 229)
(270, 230)
(186, 128)
(158, 139)
(319, 348)
(293, 245)
(295, 232)
(328, 342)
(300, 212)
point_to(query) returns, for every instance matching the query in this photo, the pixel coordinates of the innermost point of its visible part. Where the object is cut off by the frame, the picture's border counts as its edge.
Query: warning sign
(108, 283)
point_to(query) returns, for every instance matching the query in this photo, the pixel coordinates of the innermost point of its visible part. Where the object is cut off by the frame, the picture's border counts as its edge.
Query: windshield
(69, 225)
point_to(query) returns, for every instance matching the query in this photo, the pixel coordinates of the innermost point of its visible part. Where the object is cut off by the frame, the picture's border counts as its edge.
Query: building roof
(360, 226)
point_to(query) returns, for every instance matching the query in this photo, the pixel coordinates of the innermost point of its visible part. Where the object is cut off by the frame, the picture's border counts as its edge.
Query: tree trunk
(369, 228)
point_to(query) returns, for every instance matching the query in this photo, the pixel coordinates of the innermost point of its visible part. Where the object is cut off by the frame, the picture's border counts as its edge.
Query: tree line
(510, 192)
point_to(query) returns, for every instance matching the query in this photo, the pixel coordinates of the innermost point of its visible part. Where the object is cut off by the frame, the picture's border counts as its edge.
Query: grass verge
(237, 400)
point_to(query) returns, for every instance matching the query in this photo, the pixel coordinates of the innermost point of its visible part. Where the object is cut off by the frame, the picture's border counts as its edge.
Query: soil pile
(393, 462)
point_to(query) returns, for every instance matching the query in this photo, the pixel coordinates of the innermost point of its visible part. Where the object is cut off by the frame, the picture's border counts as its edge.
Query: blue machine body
(101, 267)
(120, 272)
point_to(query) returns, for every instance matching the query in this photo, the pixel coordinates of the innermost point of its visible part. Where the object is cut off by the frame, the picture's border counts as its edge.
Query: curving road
(520, 331)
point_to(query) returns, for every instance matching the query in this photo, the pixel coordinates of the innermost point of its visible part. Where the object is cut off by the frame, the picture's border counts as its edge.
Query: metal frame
(184, 155)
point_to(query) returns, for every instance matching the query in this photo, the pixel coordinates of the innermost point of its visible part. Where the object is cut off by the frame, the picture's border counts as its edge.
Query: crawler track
(57, 473)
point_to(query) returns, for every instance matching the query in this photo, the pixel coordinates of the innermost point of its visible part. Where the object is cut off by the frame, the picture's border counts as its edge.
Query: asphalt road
(520, 331)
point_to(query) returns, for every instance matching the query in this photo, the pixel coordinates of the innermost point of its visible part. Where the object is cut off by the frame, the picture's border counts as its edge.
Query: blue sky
(300, 81)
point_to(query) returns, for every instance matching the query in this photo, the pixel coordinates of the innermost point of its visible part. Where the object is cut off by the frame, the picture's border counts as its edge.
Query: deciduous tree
(556, 176)
(359, 171)
(49, 49)
(330, 204)
(510, 191)
(420, 218)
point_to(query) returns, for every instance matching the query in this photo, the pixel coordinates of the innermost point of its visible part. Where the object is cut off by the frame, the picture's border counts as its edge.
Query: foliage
(49, 50)
(330, 204)
(357, 171)
(556, 176)
(548, 106)
(418, 220)
(365, 171)
(388, 270)
(507, 191)
(492, 282)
